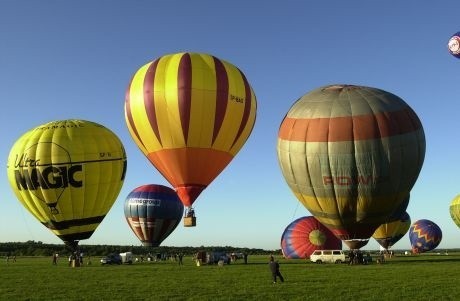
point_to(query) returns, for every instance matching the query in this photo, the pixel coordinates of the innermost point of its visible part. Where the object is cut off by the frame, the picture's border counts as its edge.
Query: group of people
(76, 259)
(358, 257)
(8, 257)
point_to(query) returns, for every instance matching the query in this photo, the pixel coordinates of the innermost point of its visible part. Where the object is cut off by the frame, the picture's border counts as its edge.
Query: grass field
(421, 277)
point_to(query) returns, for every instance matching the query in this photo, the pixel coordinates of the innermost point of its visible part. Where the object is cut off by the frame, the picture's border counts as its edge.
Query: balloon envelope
(454, 45)
(351, 155)
(454, 210)
(424, 236)
(190, 114)
(153, 212)
(305, 235)
(391, 232)
(68, 174)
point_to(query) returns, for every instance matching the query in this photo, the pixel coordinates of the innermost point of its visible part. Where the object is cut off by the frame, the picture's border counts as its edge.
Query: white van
(330, 256)
(126, 257)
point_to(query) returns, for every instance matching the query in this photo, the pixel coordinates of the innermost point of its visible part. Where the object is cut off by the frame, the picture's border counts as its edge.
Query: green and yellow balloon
(67, 174)
(454, 210)
(351, 154)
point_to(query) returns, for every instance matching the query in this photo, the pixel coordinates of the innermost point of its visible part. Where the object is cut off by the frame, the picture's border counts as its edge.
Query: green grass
(422, 277)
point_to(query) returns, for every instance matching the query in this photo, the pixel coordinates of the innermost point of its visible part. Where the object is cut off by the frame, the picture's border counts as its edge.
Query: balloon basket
(189, 221)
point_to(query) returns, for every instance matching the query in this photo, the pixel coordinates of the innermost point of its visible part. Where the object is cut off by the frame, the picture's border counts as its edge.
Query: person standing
(275, 269)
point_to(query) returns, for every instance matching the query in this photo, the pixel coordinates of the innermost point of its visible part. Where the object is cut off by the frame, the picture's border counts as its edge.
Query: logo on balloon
(40, 174)
(144, 201)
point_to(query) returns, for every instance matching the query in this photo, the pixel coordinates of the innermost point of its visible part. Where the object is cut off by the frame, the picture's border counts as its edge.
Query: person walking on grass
(275, 269)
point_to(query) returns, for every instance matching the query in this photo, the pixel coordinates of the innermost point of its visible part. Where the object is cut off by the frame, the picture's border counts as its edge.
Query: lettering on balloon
(25, 161)
(236, 98)
(49, 177)
(149, 202)
(348, 180)
(59, 125)
(32, 173)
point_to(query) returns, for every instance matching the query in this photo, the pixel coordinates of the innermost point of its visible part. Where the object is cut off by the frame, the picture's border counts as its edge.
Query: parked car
(331, 256)
(113, 258)
(215, 257)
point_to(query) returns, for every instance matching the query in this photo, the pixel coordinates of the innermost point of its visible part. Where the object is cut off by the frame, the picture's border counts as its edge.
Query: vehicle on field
(112, 258)
(215, 257)
(328, 256)
(127, 257)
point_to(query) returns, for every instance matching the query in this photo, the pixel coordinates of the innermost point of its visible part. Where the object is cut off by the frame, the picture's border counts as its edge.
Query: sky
(74, 59)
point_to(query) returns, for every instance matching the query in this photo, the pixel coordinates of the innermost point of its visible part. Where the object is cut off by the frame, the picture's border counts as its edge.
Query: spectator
(275, 270)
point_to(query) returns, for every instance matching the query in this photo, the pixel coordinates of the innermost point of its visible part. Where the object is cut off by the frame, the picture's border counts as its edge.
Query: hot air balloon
(424, 236)
(351, 155)
(68, 174)
(305, 235)
(454, 210)
(400, 211)
(454, 45)
(190, 114)
(391, 232)
(153, 212)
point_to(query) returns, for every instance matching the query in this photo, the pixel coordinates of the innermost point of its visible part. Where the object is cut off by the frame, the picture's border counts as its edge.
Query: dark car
(215, 257)
(111, 259)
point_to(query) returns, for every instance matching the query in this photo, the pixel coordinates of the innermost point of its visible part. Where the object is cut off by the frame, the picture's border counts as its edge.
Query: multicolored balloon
(391, 232)
(454, 45)
(153, 212)
(351, 155)
(454, 210)
(424, 236)
(68, 174)
(190, 114)
(305, 235)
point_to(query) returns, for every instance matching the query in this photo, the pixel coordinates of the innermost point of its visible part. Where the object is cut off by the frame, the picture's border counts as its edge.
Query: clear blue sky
(74, 59)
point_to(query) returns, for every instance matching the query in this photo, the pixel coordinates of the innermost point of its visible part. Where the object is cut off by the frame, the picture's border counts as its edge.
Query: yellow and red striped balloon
(351, 155)
(190, 114)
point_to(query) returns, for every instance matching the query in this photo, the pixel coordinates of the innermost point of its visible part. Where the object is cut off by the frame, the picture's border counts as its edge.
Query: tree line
(38, 248)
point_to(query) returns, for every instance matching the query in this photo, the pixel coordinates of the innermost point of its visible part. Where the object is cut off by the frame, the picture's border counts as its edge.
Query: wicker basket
(189, 221)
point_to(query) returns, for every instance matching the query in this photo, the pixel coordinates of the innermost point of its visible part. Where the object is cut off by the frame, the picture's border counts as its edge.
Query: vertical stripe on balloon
(184, 80)
(247, 108)
(221, 97)
(149, 94)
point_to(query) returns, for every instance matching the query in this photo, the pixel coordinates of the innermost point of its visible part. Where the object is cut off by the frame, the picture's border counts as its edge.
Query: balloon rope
(26, 223)
(295, 211)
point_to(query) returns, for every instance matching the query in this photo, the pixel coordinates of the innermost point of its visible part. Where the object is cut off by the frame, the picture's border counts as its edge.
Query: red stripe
(137, 230)
(221, 97)
(350, 128)
(149, 98)
(154, 188)
(129, 114)
(247, 107)
(184, 86)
